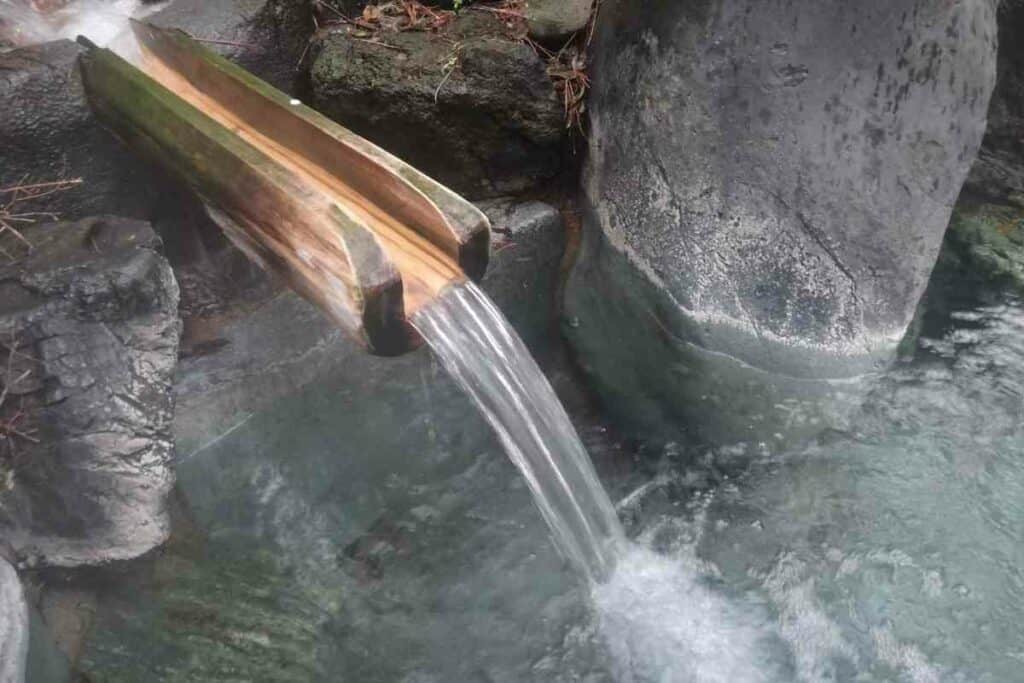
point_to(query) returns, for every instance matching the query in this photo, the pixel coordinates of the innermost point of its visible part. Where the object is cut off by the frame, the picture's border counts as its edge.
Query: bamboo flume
(352, 228)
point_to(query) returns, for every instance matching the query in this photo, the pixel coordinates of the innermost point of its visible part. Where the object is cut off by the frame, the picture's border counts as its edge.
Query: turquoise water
(888, 552)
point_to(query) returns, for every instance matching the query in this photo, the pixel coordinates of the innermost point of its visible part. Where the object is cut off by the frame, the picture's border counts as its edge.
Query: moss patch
(989, 239)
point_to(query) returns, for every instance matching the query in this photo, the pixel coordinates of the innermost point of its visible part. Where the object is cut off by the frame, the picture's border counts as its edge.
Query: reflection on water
(889, 552)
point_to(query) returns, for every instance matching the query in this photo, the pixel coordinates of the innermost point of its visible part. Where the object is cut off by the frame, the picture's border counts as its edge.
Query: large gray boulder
(13, 626)
(89, 332)
(766, 193)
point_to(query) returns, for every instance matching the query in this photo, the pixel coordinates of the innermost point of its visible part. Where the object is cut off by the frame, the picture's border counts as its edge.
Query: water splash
(663, 623)
(657, 614)
(490, 362)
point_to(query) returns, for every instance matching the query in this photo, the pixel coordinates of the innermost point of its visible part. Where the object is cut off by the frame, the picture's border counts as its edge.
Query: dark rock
(89, 323)
(988, 239)
(768, 185)
(13, 626)
(554, 21)
(999, 171)
(469, 106)
(48, 132)
(269, 37)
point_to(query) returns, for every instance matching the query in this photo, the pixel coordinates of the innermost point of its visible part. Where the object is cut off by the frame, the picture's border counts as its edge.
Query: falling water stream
(491, 364)
(659, 618)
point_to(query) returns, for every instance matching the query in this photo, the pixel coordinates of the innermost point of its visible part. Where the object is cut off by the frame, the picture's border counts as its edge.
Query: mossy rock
(989, 239)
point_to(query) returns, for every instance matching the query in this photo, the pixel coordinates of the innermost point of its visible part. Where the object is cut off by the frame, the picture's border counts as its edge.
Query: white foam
(663, 623)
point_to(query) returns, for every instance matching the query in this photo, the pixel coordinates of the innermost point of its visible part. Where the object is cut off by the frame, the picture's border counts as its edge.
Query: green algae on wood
(350, 227)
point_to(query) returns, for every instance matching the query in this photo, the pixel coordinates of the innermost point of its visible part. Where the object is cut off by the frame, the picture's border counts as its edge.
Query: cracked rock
(89, 333)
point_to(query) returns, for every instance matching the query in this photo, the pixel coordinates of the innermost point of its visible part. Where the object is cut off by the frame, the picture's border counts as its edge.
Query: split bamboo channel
(354, 229)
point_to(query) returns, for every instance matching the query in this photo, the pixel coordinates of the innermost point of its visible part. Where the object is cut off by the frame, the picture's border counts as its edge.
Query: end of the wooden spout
(86, 43)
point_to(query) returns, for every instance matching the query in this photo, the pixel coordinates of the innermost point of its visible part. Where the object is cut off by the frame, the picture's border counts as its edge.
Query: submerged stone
(766, 190)
(89, 340)
(989, 240)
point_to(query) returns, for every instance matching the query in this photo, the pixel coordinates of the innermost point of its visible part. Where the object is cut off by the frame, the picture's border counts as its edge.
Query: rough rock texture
(270, 36)
(48, 132)
(13, 626)
(768, 186)
(555, 20)
(89, 324)
(998, 172)
(470, 106)
(244, 362)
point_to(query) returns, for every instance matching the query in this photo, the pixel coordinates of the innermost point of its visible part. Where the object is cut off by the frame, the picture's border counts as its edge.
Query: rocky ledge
(469, 103)
(89, 340)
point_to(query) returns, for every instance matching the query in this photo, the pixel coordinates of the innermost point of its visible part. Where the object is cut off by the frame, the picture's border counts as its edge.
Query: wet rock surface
(556, 20)
(267, 37)
(48, 132)
(767, 190)
(89, 328)
(469, 105)
(998, 172)
(13, 626)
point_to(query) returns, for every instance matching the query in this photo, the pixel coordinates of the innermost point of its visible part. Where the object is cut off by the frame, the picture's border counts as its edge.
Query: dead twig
(10, 214)
(214, 41)
(10, 426)
(378, 43)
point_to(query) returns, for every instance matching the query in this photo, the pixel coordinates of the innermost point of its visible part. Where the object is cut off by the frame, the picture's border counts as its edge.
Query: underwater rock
(767, 188)
(554, 21)
(471, 107)
(13, 626)
(267, 37)
(998, 172)
(89, 332)
(988, 239)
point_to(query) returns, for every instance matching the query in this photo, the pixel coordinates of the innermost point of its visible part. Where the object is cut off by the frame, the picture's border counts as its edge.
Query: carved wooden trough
(354, 229)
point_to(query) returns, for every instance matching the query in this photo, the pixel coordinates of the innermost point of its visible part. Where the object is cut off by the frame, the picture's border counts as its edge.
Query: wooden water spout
(357, 231)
